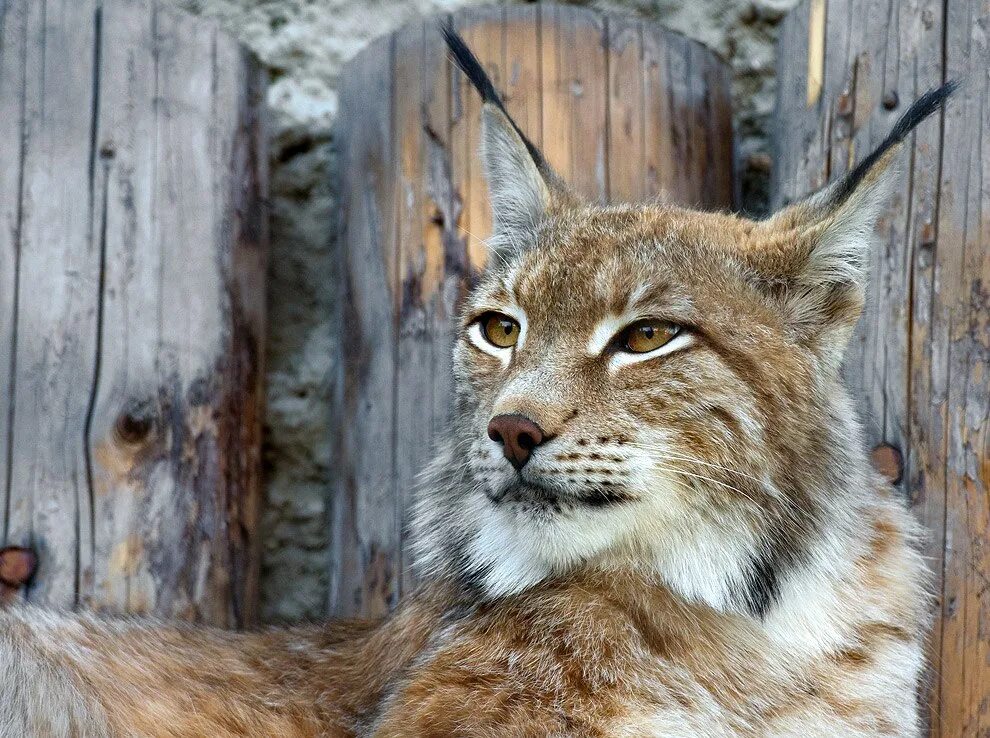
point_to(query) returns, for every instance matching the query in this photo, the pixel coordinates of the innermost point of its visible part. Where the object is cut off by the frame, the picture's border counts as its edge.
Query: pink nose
(518, 435)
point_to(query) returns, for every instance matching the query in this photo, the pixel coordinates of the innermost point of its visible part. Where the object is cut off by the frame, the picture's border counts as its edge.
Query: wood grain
(918, 362)
(365, 538)
(136, 351)
(962, 298)
(414, 215)
(48, 499)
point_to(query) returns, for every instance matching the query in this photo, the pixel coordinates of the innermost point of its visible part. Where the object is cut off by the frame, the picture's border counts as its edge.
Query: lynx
(653, 514)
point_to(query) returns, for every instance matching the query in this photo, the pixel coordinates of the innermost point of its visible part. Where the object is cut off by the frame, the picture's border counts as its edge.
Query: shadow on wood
(623, 110)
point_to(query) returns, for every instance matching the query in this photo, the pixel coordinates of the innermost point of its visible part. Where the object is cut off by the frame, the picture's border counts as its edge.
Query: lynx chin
(653, 514)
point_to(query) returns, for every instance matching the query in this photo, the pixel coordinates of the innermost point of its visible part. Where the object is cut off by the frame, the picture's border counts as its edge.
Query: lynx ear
(519, 194)
(818, 250)
(520, 182)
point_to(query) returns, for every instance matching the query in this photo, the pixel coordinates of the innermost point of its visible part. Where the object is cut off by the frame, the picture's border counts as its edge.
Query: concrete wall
(305, 43)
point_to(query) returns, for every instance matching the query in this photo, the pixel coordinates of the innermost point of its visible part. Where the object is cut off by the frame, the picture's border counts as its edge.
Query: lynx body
(653, 515)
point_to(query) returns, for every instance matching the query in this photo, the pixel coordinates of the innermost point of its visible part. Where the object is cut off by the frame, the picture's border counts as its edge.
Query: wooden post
(624, 110)
(133, 236)
(920, 361)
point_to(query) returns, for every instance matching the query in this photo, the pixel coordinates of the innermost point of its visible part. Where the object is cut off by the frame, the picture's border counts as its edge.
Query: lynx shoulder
(653, 514)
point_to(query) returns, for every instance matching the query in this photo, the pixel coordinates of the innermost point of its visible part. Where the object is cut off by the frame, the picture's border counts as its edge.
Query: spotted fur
(700, 548)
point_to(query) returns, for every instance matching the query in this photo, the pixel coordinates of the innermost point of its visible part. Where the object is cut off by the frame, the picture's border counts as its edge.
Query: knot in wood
(890, 99)
(889, 462)
(134, 424)
(17, 565)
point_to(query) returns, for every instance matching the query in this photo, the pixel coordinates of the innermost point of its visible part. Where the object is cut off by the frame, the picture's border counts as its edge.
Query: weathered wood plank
(484, 30)
(414, 211)
(918, 362)
(444, 208)
(575, 97)
(912, 66)
(626, 115)
(137, 353)
(523, 89)
(659, 116)
(722, 185)
(364, 569)
(58, 272)
(797, 139)
(962, 299)
(175, 431)
(13, 19)
(419, 269)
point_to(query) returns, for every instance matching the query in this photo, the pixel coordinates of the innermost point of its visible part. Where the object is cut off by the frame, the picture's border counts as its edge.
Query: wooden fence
(622, 109)
(133, 234)
(920, 361)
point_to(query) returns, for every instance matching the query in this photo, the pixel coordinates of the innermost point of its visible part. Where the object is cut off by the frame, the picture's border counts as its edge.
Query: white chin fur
(514, 551)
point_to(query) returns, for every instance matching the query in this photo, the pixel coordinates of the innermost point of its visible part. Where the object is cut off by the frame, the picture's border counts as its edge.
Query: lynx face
(651, 386)
(651, 370)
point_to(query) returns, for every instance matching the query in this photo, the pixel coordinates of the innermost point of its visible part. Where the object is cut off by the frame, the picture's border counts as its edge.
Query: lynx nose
(518, 435)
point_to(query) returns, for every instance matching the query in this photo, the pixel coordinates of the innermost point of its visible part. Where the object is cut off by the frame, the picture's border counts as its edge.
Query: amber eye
(647, 335)
(499, 330)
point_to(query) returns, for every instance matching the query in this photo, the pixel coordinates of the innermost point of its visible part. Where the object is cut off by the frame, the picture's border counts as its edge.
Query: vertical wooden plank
(555, 93)
(240, 160)
(786, 140)
(679, 94)
(815, 74)
(852, 138)
(483, 29)
(901, 270)
(57, 315)
(363, 570)
(523, 69)
(659, 127)
(175, 431)
(462, 157)
(626, 118)
(700, 187)
(962, 301)
(12, 90)
(575, 100)
(127, 385)
(799, 134)
(446, 205)
(844, 40)
(720, 183)
(687, 141)
(419, 264)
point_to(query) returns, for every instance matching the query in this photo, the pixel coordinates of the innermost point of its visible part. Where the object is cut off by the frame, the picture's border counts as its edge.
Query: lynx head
(651, 386)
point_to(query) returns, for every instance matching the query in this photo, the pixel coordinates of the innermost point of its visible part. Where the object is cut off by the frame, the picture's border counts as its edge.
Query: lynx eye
(499, 330)
(647, 335)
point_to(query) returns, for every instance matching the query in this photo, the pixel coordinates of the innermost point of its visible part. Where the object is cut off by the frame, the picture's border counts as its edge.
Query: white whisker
(685, 457)
(708, 479)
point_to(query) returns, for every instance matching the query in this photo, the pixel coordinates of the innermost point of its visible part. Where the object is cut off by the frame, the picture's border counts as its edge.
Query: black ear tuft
(923, 107)
(468, 63)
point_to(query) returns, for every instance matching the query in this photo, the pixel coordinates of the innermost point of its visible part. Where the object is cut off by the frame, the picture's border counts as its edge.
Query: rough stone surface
(305, 43)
